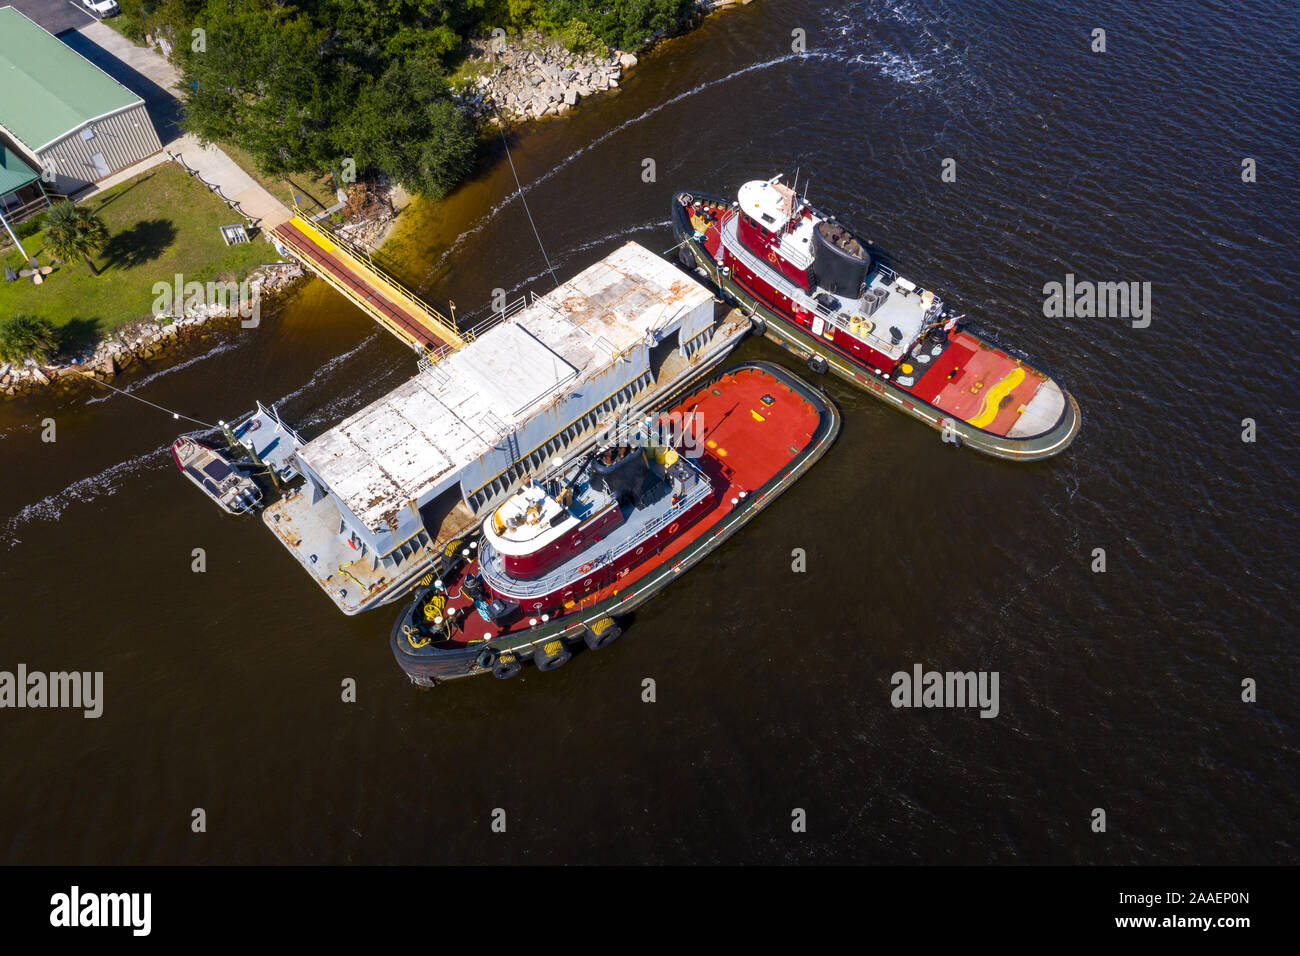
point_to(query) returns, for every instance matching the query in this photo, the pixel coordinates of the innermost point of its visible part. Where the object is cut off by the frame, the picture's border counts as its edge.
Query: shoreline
(556, 80)
(533, 77)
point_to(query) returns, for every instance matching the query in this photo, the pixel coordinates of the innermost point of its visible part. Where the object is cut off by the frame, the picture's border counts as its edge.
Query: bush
(579, 38)
(25, 336)
(31, 227)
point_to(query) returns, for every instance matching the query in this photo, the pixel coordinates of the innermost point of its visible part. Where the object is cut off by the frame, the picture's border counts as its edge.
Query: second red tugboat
(813, 286)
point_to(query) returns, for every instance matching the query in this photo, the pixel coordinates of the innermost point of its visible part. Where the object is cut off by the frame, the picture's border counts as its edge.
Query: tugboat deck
(748, 441)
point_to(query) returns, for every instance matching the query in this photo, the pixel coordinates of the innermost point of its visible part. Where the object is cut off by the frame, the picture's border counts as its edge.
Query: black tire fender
(549, 660)
(818, 364)
(601, 634)
(506, 667)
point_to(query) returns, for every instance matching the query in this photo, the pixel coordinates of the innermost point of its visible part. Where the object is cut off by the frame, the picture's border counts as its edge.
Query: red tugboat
(811, 285)
(559, 561)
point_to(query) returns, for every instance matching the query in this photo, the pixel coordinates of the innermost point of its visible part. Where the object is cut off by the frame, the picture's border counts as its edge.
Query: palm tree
(25, 337)
(72, 231)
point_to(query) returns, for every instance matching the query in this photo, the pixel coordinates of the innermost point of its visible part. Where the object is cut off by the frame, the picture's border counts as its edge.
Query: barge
(390, 494)
(558, 563)
(813, 286)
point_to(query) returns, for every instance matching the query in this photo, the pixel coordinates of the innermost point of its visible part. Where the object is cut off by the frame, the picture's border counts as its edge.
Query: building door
(101, 166)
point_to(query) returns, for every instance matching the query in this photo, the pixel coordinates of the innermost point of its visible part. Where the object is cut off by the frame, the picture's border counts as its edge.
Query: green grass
(314, 192)
(160, 223)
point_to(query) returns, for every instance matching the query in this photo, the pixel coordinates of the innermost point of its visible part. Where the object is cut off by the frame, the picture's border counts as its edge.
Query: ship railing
(600, 563)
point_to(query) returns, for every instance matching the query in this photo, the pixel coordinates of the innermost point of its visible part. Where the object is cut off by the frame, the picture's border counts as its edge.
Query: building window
(87, 134)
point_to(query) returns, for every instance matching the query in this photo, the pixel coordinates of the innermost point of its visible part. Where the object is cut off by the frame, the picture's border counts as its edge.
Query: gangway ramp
(354, 273)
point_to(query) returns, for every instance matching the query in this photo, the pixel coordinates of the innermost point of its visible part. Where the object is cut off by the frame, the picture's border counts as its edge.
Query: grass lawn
(314, 193)
(160, 223)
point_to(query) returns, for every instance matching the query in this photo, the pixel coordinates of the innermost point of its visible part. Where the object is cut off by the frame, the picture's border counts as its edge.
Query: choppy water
(1118, 690)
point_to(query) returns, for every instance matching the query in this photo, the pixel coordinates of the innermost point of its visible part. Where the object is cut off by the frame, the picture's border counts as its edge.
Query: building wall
(122, 139)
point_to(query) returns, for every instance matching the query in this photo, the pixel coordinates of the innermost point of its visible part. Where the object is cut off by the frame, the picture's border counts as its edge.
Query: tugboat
(216, 476)
(558, 562)
(809, 283)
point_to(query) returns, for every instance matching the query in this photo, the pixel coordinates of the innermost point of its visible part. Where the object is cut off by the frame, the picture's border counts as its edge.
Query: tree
(405, 124)
(72, 231)
(265, 81)
(25, 337)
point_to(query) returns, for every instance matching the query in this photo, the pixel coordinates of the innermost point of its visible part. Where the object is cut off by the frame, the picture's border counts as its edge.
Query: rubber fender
(506, 667)
(550, 655)
(602, 633)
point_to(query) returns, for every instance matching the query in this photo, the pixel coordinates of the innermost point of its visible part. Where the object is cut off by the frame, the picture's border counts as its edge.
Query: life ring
(771, 255)
(253, 426)
(585, 568)
(672, 527)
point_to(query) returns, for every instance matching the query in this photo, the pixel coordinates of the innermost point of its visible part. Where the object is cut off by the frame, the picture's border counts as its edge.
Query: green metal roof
(14, 173)
(47, 90)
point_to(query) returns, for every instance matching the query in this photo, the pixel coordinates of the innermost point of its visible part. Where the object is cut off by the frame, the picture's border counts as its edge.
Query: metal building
(63, 114)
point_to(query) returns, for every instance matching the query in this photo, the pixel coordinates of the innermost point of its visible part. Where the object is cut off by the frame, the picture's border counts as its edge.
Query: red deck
(746, 443)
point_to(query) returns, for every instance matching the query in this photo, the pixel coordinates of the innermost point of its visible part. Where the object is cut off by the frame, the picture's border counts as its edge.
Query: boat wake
(220, 349)
(107, 482)
(899, 67)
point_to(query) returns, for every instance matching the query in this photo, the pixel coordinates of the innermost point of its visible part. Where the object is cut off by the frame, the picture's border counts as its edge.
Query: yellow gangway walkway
(355, 275)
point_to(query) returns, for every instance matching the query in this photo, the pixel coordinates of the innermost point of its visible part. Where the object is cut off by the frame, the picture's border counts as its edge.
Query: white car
(102, 8)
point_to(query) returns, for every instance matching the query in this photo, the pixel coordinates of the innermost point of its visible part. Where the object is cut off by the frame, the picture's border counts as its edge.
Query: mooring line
(519, 186)
(145, 401)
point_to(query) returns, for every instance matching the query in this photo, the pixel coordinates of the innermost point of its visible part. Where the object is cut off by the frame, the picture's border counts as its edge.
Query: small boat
(810, 284)
(216, 476)
(558, 562)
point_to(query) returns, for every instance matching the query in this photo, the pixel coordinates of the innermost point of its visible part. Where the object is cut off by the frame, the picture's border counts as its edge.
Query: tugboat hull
(822, 357)
(594, 624)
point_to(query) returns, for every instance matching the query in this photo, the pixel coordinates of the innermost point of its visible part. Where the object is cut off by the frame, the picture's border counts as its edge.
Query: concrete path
(149, 75)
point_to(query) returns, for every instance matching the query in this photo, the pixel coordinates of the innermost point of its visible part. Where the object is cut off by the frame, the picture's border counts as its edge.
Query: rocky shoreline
(533, 77)
(157, 338)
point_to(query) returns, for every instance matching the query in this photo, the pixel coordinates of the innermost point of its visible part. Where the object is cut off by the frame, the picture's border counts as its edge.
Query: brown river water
(1118, 690)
